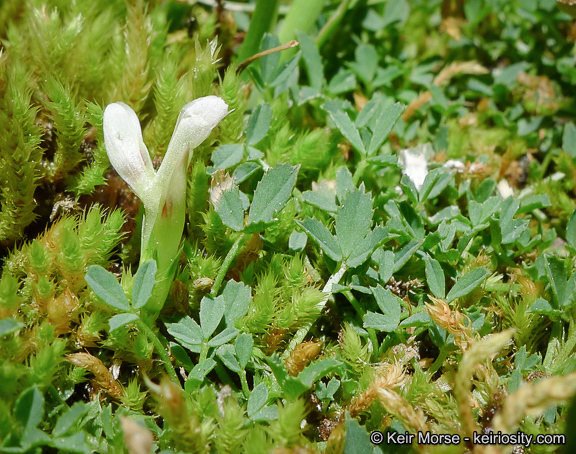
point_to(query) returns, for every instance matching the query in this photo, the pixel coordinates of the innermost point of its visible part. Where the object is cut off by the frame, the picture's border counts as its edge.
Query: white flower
(162, 192)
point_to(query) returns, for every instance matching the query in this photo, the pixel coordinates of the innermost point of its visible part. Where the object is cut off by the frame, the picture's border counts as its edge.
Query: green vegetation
(377, 234)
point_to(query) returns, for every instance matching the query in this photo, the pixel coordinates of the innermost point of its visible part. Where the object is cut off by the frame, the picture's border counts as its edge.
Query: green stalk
(227, 262)
(354, 302)
(244, 382)
(439, 361)
(261, 23)
(159, 349)
(362, 166)
(203, 351)
(332, 24)
(301, 17)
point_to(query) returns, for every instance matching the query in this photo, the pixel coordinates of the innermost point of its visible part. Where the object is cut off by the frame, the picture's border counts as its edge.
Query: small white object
(505, 189)
(415, 161)
(455, 164)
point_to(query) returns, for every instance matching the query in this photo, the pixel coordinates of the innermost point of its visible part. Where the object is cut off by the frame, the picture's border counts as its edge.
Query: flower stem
(227, 262)
(159, 349)
(332, 25)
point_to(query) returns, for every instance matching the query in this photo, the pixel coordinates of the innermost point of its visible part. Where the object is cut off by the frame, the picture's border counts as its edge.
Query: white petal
(416, 164)
(125, 147)
(196, 121)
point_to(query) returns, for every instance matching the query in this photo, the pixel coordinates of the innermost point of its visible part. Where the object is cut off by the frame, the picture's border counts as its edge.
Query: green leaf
(245, 171)
(372, 108)
(257, 400)
(366, 62)
(285, 70)
(272, 193)
(345, 125)
(435, 277)
(342, 82)
(384, 161)
(211, 312)
(418, 319)
(558, 279)
(268, 63)
(384, 124)
(243, 345)
(317, 370)
(434, 183)
(389, 304)
(229, 208)
(322, 236)
(236, 301)
(120, 320)
(107, 288)
(366, 247)
(226, 335)
(353, 220)
(259, 124)
(480, 212)
(269, 413)
(386, 266)
(70, 419)
(402, 256)
(187, 332)
(143, 284)
(467, 283)
(357, 438)
(534, 202)
(312, 60)
(379, 322)
(409, 188)
(9, 326)
(226, 355)
(323, 200)
(75, 443)
(292, 386)
(511, 228)
(344, 183)
(29, 408)
(297, 241)
(197, 375)
(326, 392)
(541, 306)
(227, 156)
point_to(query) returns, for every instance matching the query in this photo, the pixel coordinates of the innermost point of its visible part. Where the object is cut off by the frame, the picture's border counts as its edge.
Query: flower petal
(125, 147)
(196, 121)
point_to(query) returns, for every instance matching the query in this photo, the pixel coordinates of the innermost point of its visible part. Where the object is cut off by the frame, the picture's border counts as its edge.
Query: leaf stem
(330, 27)
(439, 361)
(359, 171)
(245, 387)
(354, 302)
(203, 351)
(227, 262)
(159, 349)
